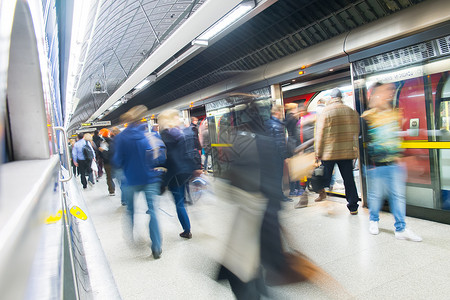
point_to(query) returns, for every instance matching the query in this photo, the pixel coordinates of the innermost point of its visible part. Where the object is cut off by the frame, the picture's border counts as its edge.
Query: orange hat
(104, 132)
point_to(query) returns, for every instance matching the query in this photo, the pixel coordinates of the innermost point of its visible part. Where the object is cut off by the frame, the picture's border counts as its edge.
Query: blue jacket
(130, 148)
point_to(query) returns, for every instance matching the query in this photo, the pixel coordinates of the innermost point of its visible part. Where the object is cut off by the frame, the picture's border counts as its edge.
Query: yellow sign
(86, 124)
(55, 218)
(78, 213)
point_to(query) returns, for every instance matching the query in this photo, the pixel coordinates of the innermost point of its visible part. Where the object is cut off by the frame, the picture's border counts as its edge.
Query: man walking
(336, 142)
(131, 149)
(385, 176)
(81, 160)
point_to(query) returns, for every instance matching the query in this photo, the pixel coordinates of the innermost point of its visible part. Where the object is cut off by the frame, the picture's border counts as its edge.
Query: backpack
(87, 152)
(155, 156)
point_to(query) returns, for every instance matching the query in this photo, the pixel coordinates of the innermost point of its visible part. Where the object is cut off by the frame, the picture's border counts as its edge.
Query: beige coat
(337, 130)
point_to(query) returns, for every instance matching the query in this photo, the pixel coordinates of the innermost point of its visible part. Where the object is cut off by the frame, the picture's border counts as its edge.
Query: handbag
(316, 182)
(301, 165)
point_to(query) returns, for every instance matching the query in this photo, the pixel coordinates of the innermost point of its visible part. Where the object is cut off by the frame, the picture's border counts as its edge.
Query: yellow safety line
(422, 144)
(221, 145)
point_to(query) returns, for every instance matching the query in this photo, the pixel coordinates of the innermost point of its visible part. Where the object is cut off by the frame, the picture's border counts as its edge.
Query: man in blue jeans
(131, 146)
(385, 175)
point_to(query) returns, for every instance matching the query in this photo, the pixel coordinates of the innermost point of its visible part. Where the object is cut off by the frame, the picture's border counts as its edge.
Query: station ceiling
(128, 31)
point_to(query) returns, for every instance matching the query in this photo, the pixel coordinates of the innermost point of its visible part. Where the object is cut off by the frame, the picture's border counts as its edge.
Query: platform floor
(362, 266)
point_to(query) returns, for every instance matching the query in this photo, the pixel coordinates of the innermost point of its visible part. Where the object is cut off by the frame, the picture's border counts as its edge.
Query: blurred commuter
(155, 129)
(106, 153)
(117, 171)
(93, 175)
(320, 106)
(206, 144)
(385, 176)
(74, 168)
(305, 134)
(276, 129)
(81, 158)
(130, 149)
(194, 127)
(336, 142)
(97, 139)
(182, 161)
(255, 181)
(291, 124)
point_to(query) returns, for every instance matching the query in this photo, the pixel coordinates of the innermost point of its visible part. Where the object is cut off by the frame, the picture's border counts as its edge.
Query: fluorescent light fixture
(101, 116)
(228, 20)
(118, 103)
(201, 43)
(142, 84)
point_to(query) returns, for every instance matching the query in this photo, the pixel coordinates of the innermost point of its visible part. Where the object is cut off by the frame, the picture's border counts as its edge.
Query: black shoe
(286, 199)
(156, 254)
(186, 235)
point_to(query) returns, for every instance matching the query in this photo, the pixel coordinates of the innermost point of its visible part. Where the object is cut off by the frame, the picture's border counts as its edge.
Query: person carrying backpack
(83, 154)
(183, 160)
(131, 153)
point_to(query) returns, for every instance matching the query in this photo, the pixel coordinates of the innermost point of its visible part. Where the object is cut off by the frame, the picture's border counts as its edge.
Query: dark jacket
(179, 165)
(197, 140)
(107, 154)
(276, 130)
(291, 124)
(130, 148)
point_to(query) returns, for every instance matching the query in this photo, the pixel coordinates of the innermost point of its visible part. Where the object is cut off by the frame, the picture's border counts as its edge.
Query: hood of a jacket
(135, 132)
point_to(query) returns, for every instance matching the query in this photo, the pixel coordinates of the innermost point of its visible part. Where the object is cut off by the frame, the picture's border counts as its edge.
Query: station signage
(91, 129)
(96, 124)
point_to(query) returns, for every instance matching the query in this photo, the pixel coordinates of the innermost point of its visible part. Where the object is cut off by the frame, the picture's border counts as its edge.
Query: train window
(422, 95)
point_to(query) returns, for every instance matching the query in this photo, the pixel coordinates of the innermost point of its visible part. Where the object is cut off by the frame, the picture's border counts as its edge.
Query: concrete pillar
(186, 117)
(277, 94)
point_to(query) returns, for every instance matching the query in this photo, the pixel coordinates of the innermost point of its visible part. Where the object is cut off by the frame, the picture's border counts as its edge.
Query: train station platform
(362, 266)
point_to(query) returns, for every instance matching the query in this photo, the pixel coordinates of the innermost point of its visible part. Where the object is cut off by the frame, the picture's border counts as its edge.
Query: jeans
(178, 196)
(387, 181)
(120, 177)
(346, 169)
(150, 190)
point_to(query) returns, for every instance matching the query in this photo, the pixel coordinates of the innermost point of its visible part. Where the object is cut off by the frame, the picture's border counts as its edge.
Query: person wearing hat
(130, 148)
(336, 142)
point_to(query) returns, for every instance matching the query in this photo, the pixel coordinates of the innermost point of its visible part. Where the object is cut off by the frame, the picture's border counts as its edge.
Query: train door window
(444, 127)
(420, 75)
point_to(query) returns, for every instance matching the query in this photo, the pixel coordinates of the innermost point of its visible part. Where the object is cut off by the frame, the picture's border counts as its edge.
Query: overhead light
(142, 84)
(101, 116)
(227, 20)
(201, 43)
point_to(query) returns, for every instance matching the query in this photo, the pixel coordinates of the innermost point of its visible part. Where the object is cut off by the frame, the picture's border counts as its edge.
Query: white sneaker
(407, 235)
(373, 227)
